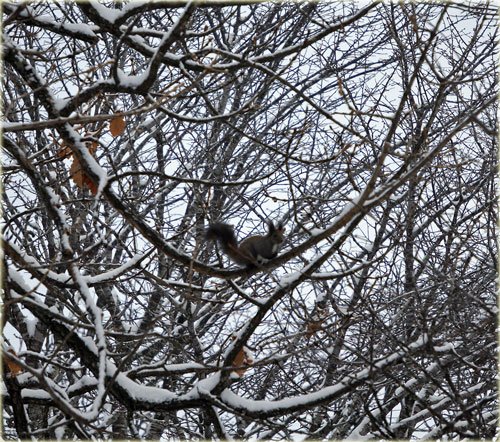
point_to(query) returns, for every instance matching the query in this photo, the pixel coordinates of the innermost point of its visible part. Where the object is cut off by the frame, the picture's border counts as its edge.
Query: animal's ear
(280, 227)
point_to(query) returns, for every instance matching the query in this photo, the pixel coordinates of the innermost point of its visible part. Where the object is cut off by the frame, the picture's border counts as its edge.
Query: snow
(132, 81)
(115, 273)
(89, 159)
(56, 204)
(230, 314)
(84, 381)
(59, 432)
(59, 103)
(59, 277)
(208, 384)
(100, 340)
(140, 392)
(327, 393)
(171, 368)
(108, 14)
(31, 393)
(257, 406)
(89, 342)
(331, 275)
(449, 346)
(127, 7)
(31, 326)
(289, 279)
(81, 28)
(315, 231)
(140, 41)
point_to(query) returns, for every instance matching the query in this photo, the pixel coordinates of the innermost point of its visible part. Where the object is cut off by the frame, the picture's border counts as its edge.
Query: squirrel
(253, 251)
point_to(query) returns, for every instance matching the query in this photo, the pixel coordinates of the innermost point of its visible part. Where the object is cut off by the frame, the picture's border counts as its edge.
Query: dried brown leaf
(117, 126)
(13, 367)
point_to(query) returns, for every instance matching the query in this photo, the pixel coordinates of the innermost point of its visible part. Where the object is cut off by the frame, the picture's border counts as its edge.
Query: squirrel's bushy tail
(224, 233)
